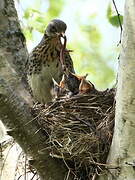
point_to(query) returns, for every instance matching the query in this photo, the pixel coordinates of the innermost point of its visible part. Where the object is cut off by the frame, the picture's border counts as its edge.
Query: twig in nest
(6, 157)
(118, 14)
(94, 176)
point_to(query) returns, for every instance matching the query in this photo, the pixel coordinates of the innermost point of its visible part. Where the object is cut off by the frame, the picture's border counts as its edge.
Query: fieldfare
(44, 63)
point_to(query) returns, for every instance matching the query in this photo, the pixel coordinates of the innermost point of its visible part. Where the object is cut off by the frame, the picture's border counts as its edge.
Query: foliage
(55, 8)
(36, 20)
(89, 58)
(113, 19)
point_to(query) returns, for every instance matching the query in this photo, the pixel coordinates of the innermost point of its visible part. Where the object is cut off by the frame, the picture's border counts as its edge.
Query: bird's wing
(69, 62)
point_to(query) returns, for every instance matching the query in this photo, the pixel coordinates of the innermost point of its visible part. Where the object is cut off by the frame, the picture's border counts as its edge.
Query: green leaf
(27, 13)
(93, 34)
(113, 18)
(35, 11)
(40, 19)
(28, 32)
(30, 11)
(109, 11)
(55, 8)
(115, 21)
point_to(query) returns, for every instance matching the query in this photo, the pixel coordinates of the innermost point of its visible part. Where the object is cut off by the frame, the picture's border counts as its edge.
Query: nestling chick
(86, 86)
(75, 83)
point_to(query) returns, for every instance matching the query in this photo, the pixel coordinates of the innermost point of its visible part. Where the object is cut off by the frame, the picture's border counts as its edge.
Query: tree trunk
(122, 153)
(15, 101)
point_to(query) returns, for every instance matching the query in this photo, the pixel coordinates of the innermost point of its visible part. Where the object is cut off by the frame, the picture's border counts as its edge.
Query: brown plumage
(44, 62)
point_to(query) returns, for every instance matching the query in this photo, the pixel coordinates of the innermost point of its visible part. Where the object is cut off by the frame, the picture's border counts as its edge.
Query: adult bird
(44, 63)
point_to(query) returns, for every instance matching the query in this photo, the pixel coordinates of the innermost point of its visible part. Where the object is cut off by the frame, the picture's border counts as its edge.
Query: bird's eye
(53, 29)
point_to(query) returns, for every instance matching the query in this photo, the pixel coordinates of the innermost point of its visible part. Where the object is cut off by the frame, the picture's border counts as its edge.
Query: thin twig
(94, 176)
(22, 175)
(6, 158)
(33, 176)
(25, 166)
(107, 165)
(118, 15)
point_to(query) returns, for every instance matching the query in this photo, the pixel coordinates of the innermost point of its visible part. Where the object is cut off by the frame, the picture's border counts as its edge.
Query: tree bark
(15, 101)
(122, 153)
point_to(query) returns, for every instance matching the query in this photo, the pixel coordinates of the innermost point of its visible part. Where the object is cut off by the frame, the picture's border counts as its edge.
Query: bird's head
(56, 27)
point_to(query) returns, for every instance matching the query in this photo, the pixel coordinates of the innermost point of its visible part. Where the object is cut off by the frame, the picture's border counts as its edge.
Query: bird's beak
(61, 34)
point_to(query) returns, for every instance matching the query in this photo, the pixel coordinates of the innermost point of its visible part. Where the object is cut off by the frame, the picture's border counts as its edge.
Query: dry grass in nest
(80, 130)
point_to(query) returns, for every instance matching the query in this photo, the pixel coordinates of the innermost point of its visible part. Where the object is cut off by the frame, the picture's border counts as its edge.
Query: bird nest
(79, 130)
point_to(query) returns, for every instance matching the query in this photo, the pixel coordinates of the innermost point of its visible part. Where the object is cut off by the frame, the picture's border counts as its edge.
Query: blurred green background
(93, 33)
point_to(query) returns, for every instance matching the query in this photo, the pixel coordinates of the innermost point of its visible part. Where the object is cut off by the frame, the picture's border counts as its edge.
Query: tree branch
(12, 41)
(15, 113)
(15, 101)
